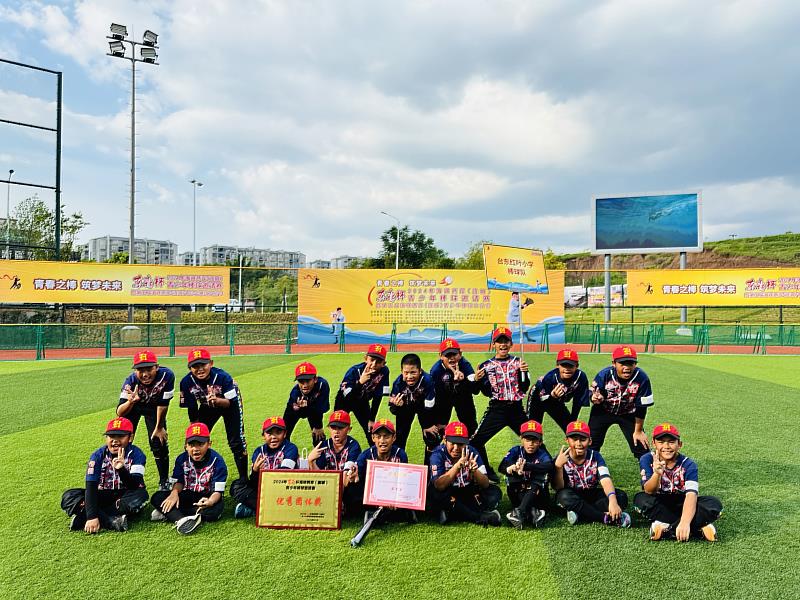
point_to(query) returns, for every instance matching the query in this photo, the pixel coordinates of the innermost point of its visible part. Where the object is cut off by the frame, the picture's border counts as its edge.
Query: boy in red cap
(670, 497)
(529, 467)
(621, 395)
(209, 393)
(454, 383)
(199, 479)
(115, 487)
(365, 382)
(583, 484)
(308, 399)
(459, 488)
(275, 453)
(340, 452)
(553, 390)
(146, 393)
(504, 379)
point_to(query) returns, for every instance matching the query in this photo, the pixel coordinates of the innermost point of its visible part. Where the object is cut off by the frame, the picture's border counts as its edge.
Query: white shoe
(188, 525)
(157, 515)
(658, 529)
(572, 517)
(538, 517)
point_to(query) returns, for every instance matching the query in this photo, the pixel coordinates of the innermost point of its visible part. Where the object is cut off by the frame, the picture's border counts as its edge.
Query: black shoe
(490, 517)
(516, 519)
(118, 523)
(442, 517)
(411, 517)
(77, 522)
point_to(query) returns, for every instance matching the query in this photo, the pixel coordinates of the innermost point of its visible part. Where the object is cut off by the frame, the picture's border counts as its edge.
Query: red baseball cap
(305, 370)
(377, 351)
(119, 425)
(578, 428)
(273, 423)
(144, 359)
(567, 356)
(502, 332)
(624, 353)
(197, 432)
(339, 417)
(198, 356)
(532, 429)
(449, 346)
(456, 433)
(383, 424)
(666, 429)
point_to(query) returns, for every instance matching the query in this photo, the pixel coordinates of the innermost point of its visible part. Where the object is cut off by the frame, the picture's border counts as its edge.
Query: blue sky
(468, 120)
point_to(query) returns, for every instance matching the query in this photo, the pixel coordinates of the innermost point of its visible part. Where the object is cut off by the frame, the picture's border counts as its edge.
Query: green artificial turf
(737, 416)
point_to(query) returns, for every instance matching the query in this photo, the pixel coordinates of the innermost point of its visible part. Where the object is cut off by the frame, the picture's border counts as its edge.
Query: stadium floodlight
(116, 48)
(148, 54)
(149, 38)
(118, 32)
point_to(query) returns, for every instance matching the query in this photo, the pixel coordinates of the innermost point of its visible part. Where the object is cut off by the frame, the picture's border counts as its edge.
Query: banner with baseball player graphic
(714, 287)
(101, 283)
(417, 304)
(515, 269)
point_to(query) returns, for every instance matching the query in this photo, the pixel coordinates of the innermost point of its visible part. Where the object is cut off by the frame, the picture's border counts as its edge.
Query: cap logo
(378, 348)
(459, 430)
(626, 351)
(196, 430)
(142, 356)
(666, 427)
(117, 423)
(448, 344)
(567, 354)
(302, 368)
(529, 426)
(197, 354)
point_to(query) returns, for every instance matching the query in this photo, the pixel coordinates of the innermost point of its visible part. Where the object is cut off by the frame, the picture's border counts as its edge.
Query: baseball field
(738, 416)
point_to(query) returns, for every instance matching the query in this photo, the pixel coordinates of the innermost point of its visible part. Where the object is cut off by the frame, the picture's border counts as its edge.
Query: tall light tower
(119, 37)
(397, 249)
(195, 184)
(8, 215)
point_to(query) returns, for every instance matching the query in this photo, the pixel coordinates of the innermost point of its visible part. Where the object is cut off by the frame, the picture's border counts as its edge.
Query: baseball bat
(359, 537)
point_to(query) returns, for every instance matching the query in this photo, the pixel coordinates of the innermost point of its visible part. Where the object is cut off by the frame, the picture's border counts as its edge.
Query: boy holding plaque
(340, 453)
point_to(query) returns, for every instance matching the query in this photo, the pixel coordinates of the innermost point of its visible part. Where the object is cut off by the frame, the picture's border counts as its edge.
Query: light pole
(397, 249)
(195, 184)
(119, 37)
(8, 215)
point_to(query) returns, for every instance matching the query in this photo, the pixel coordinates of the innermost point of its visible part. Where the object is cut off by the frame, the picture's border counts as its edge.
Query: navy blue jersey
(621, 397)
(502, 380)
(317, 399)
(205, 477)
(376, 388)
(680, 479)
(447, 388)
(194, 391)
(538, 465)
(159, 393)
(419, 399)
(587, 475)
(330, 460)
(100, 471)
(282, 457)
(577, 388)
(441, 462)
(396, 455)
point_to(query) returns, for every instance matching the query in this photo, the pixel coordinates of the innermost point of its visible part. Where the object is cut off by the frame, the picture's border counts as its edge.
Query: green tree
(118, 258)
(473, 257)
(417, 250)
(34, 227)
(553, 262)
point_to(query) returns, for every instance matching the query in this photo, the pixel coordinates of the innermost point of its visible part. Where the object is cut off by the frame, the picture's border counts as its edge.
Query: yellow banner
(289, 499)
(719, 287)
(418, 303)
(515, 269)
(101, 283)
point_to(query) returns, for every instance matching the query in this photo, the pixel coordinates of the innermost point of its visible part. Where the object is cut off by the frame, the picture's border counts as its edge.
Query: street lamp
(116, 47)
(8, 215)
(397, 249)
(195, 184)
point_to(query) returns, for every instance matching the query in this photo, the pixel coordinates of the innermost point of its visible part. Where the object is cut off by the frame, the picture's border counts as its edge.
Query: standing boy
(454, 384)
(670, 498)
(309, 399)
(459, 488)
(114, 484)
(621, 395)
(340, 452)
(504, 379)
(199, 481)
(364, 383)
(529, 467)
(146, 393)
(583, 484)
(275, 453)
(209, 393)
(553, 390)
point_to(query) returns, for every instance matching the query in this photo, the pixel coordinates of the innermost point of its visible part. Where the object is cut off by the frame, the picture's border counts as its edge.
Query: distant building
(145, 251)
(185, 259)
(343, 262)
(255, 257)
(319, 264)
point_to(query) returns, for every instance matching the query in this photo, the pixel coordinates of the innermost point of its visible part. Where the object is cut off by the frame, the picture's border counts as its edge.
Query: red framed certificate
(396, 485)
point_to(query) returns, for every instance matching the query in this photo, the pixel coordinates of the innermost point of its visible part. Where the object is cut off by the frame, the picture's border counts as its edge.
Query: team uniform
(452, 394)
(317, 403)
(159, 393)
(418, 400)
(540, 401)
(530, 490)
(347, 457)
(283, 457)
(193, 399)
(199, 480)
(666, 505)
(363, 401)
(623, 402)
(582, 493)
(109, 492)
(463, 500)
